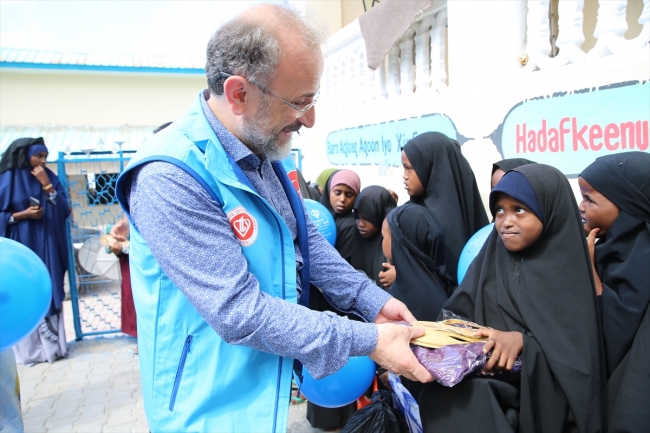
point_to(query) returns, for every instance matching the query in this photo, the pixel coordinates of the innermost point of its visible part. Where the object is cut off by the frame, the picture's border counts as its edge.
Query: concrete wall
(107, 99)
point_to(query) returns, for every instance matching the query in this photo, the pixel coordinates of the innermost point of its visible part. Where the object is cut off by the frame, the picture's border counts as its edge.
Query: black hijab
(510, 164)
(546, 292)
(450, 193)
(418, 249)
(623, 254)
(373, 203)
(345, 225)
(16, 154)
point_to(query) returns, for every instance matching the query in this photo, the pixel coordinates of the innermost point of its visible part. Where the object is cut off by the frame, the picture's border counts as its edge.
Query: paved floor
(96, 388)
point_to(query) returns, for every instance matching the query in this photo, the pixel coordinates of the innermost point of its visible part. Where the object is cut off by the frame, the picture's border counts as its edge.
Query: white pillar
(406, 46)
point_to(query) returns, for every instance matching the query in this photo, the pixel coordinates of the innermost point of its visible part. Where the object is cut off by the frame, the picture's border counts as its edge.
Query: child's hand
(384, 379)
(505, 347)
(387, 277)
(591, 244)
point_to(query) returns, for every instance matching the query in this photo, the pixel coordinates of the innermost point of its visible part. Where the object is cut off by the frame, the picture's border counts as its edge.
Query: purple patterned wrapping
(450, 364)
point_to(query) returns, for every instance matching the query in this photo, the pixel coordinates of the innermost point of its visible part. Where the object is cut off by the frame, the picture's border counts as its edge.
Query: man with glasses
(222, 254)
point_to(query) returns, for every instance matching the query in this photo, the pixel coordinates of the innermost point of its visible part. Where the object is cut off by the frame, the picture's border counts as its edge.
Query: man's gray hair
(246, 47)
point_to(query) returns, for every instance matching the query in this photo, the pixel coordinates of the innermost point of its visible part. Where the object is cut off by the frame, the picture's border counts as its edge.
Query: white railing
(611, 25)
(415, 64)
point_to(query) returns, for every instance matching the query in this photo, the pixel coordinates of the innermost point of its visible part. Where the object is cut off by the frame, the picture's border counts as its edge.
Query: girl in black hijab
(531, 282)
(415, 244)
(500, 168)
(437, 175)
(370, 208)
(616, 209)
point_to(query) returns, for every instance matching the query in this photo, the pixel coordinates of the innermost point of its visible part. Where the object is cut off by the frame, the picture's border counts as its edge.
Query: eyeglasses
(299, 111)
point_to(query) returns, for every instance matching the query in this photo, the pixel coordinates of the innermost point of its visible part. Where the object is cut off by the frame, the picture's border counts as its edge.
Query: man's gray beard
(254, 134)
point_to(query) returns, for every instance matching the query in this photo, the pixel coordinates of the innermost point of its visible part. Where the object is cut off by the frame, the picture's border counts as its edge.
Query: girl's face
(496, 176)
(365, 227)
(37, 159)
(412, 183)
(342, 198)
(596, 211)
(386, 243)
(517, 225)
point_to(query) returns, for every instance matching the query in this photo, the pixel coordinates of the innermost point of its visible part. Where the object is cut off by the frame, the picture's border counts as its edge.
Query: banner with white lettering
(382, 143)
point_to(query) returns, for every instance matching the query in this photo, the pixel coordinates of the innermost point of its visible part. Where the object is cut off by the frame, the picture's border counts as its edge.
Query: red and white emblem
(293, 176)
(243, 225)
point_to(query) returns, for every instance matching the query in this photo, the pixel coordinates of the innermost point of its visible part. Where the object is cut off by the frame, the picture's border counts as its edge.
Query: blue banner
(382, 142)
(569, 130)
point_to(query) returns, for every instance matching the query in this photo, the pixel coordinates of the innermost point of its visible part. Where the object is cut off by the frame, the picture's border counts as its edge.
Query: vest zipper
(179, 371)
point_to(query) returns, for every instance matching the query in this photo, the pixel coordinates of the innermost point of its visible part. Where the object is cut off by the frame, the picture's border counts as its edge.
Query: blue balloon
(323, 220)
(25, 291)
(471, 249)
(342, 387)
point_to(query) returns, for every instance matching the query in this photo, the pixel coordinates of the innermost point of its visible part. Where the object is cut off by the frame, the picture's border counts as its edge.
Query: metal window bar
(93, 274)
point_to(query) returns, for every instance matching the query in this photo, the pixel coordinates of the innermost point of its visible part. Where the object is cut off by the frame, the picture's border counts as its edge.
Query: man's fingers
(419, 373)
(415, 332)
(489, 345)
(408, 316)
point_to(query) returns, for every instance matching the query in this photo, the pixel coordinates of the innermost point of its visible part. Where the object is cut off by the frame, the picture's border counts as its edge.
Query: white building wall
(486, 79)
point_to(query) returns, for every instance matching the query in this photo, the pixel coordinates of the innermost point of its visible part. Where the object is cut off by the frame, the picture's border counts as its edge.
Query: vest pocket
(179, 371)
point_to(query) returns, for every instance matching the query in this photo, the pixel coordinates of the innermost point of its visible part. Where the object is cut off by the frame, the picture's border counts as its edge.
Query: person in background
(306, 190)
(615, 211)
(322, 179)
(341, 190)
(120, 247)
(500, 168)
(370, 208)
(223, 254)
(531, 283)
(437, 176)
(414, 244)
(33, 211)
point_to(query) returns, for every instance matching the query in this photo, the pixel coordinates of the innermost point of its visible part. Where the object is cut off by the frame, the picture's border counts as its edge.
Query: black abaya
(545, 291)
(510, 164)
(622, 258)
(450, 193)
(623, 254)
(418, 250)
(373, 203)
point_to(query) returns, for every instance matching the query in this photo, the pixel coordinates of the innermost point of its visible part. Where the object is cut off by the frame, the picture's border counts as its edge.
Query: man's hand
(394, 311)
(121, 230)
(393, 352)
(505, 347)
(387, 277)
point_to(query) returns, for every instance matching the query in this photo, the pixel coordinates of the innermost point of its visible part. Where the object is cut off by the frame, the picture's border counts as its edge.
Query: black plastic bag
(378, 417)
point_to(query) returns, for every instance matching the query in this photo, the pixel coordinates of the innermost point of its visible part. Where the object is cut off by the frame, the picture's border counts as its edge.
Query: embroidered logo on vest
(293, 176)
(243, 225)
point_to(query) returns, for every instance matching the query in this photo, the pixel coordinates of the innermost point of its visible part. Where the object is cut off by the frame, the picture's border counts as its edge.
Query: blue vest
(192, 380)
